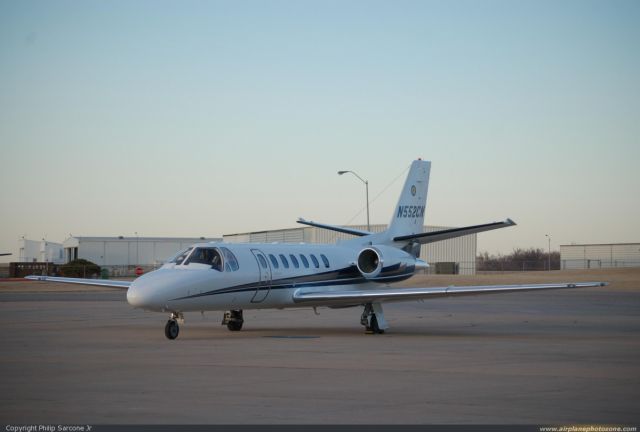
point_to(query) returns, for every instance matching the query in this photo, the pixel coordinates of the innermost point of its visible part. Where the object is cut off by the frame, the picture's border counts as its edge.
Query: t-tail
(408, 215)
(405, 230)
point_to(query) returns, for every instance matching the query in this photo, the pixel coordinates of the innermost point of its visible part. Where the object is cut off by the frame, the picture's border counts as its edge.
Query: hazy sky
(200, 118)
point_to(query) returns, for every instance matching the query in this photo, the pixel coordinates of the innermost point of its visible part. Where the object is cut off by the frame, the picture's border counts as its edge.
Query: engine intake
(370, 262)
(384, 262)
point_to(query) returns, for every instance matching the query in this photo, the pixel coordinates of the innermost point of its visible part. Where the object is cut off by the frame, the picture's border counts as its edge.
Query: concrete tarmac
(564, 357)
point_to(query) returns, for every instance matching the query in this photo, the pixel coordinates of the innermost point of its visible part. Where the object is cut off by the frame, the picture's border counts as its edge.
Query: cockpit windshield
(205, 255)
(180, 256)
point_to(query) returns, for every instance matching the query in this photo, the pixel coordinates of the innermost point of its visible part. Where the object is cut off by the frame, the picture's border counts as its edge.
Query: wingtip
(510, 222)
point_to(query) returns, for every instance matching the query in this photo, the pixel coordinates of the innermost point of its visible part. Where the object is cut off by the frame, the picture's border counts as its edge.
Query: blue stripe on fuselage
(346, 276)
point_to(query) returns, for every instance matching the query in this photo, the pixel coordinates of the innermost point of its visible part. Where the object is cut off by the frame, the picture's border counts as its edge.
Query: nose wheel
(172, 329)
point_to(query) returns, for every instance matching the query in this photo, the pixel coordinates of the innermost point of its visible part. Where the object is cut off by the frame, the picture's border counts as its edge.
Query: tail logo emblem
(413, 190)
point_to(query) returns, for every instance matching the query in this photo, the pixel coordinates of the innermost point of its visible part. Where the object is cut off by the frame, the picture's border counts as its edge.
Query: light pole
(137, 249)
(549, 256)
(46, 258)
(366, 185)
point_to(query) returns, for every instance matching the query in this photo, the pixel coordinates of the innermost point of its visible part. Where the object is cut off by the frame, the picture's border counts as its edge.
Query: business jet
(231, 277)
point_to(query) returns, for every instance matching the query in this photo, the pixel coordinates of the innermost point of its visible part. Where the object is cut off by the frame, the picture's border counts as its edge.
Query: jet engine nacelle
(382, 261)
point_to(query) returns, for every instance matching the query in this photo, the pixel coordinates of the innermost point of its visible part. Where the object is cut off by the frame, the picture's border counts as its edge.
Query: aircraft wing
(435, 236)
(79, 281)
(355, 232)
(355, 297)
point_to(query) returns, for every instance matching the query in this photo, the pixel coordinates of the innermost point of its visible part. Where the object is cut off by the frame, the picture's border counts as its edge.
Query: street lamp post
(549, 255)
(137, 249)
(366, 185)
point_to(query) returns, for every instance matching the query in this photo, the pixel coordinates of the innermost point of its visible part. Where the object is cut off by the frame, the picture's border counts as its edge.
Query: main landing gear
(373, 319)
(233, 319)
(172, 329)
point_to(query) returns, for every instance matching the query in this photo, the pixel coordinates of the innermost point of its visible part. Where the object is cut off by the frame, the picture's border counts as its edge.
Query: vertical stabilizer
(408, 216)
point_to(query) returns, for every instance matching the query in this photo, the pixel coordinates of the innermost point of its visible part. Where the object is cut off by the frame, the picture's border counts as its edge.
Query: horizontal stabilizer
(402, 294)
(436, 236)
(95, 282)
(345, 230)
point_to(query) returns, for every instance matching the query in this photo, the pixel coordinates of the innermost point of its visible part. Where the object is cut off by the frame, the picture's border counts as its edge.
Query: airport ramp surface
(85, 356)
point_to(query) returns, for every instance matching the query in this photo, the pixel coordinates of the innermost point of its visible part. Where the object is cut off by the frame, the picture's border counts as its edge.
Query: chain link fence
(483, 267)
(597, 263)
(20, 270)
(516, 266)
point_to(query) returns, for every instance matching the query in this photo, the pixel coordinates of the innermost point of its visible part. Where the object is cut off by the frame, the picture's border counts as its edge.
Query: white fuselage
(258, 276)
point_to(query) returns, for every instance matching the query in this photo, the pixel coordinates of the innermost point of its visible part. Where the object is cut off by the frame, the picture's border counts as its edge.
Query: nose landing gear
(172, 329)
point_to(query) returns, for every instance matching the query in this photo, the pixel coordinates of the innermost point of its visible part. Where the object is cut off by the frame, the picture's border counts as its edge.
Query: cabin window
(285, 263)
(294, 260)
(274, 261)
(230, 260)
(263, 262)
(181, 256)
(315, 261)
(325, 260)
(305, 262)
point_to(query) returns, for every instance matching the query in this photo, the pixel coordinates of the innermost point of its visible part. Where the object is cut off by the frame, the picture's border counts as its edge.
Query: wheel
(233, 319)
(374, 325)
(171, 330)
(234, 325)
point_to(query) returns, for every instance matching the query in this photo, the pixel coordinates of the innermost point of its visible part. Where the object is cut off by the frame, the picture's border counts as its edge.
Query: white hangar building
(584, 256)
(460, 250)
(40, 251)
(127, 251)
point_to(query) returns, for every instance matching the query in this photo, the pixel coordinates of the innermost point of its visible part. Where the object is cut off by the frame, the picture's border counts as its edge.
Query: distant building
(127, 251)
(40, 251)
(584, 256)
(460, 251)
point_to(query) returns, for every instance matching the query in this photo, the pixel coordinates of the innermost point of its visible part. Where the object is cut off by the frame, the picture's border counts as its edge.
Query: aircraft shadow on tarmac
(468, 331)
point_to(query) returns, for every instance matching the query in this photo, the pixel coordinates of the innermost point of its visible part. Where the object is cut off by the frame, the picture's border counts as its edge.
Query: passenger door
(264, 272)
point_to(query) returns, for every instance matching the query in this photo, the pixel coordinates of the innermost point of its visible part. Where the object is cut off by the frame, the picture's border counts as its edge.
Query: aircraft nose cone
(140, 293)
(133, 296)
(149, 291)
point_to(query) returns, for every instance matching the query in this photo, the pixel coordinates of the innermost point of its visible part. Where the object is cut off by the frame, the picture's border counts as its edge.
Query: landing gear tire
(370, 321)
(233, 319)
(234, 325)
(171, 330)
(375, 329)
